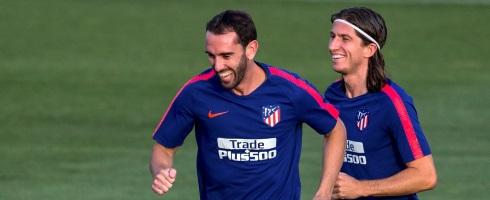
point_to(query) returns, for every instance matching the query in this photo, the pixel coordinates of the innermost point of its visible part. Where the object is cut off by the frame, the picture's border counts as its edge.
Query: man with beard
(248, 118)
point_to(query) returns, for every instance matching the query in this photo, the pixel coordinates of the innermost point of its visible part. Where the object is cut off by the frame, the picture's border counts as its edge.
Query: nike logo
(213, 115)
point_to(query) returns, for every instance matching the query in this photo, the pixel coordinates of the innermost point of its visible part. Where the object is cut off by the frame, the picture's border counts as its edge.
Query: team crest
(271, 115)
(362, 119)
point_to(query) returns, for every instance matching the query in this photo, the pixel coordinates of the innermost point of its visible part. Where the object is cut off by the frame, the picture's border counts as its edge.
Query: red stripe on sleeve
(303, 85)
(405, 119)
(200, 77)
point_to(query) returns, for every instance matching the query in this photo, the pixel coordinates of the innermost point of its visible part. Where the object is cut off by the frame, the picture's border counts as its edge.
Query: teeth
(337, 56)
(224, 74)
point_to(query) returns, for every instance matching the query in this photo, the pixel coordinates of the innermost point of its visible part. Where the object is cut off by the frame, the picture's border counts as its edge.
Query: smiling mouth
(337, 56)
(225, 75)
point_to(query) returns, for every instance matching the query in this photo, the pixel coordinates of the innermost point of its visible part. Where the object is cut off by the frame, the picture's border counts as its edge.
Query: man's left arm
(333, 157)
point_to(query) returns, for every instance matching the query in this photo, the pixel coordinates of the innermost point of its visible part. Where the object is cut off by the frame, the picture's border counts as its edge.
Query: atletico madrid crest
(271, 115)
(362, 119)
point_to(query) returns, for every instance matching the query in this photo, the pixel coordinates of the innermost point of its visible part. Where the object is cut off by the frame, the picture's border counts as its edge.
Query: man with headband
(387, 154)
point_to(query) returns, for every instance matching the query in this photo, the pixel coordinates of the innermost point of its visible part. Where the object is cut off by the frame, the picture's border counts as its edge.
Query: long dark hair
(374, 25)
(234, 21)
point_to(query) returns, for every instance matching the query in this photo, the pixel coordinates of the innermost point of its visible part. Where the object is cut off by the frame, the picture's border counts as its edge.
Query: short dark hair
(374, 25)
(236, 21)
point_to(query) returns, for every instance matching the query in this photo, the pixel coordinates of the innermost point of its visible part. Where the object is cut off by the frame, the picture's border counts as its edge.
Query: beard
(238, 74)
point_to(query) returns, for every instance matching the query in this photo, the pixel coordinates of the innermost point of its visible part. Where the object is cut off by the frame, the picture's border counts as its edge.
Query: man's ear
(251, 49)
(370, 50)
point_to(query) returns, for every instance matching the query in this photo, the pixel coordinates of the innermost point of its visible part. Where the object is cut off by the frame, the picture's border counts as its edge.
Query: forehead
(343, 29)
(228, 38)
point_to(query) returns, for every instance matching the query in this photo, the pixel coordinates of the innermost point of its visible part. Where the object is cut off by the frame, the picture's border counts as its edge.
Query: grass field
(83, 84)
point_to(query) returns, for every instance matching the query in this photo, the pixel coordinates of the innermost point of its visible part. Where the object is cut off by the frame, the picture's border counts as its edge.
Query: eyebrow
(220, 54)
(341, 35)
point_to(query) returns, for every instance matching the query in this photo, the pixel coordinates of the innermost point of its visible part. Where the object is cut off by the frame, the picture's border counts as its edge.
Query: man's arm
(161, 168)
(420, 175)
(333, 157)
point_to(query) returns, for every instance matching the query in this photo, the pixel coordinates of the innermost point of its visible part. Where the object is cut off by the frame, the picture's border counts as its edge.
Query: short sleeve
(405, 127)
(177, 122)
(318, 113)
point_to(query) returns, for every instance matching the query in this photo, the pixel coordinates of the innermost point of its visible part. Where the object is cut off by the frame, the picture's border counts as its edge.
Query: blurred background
(83, 83)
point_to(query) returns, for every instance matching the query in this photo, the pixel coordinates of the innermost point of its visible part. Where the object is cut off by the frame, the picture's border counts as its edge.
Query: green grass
(83, 84)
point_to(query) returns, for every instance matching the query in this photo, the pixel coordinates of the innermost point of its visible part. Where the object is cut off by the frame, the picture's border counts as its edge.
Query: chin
(337, 69)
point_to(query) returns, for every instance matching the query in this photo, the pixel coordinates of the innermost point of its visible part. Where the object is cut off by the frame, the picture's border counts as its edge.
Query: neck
(355, 84)
(254, 77)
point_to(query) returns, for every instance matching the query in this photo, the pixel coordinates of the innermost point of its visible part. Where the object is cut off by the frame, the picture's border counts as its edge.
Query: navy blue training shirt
(383, 132)
(248, 146)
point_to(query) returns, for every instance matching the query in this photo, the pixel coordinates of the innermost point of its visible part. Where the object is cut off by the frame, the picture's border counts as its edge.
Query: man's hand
(320, 197)
(163, 180)
(346, 187)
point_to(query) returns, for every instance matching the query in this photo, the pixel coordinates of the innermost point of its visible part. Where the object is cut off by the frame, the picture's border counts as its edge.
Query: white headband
(359, 30)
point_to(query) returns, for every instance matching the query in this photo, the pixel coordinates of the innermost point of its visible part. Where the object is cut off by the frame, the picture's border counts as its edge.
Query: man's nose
(218, 64)
(333, 44)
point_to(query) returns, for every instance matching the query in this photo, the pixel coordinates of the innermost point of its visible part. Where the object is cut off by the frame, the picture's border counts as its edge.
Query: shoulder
(198, 83)
(398, 100)
(290, 80)
(335, 90)
(294, 86)
(200, 80)
(336, 85)
(396, 92)
(204, 76)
